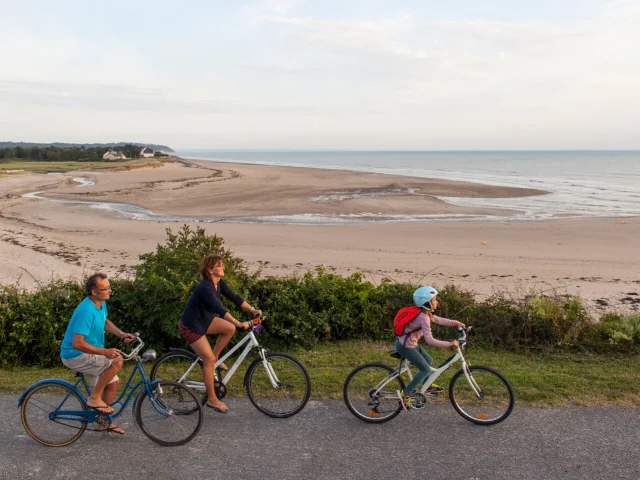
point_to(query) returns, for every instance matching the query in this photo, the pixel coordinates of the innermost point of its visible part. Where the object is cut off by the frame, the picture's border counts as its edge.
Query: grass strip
(538, 379)
(21, 167)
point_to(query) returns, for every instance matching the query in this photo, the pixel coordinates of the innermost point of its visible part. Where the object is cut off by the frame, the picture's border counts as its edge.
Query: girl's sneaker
(434, 389)
(405, 400)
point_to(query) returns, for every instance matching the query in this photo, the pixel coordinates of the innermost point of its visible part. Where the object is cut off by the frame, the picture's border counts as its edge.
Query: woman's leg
(224, 330)
(203, 350)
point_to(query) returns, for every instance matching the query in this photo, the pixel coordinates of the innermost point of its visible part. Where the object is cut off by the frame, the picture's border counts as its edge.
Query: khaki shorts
(91, 366)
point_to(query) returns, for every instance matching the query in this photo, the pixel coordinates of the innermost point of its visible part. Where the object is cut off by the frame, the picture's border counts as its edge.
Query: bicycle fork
(474, 386)
(269, 368)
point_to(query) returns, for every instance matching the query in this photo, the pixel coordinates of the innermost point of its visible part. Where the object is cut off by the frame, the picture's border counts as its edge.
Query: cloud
(354, 37)
(131, 99)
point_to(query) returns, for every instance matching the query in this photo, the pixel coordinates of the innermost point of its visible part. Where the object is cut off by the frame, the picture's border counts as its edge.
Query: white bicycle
(280, 389)
(480, 394)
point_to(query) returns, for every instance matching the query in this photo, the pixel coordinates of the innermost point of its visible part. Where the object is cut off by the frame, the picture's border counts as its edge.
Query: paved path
(326, 442)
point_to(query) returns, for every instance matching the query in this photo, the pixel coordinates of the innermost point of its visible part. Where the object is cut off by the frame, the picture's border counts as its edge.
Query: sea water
(580, 183)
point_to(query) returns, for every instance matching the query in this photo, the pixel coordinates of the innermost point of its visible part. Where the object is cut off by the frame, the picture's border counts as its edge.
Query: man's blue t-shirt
(86, 320)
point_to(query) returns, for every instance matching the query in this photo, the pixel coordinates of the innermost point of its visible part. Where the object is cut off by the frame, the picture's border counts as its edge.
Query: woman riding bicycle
(198, 320)
(420, 326)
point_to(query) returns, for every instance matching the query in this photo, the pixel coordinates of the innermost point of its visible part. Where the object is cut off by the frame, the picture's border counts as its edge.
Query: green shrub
(301, 311)
(620, 330)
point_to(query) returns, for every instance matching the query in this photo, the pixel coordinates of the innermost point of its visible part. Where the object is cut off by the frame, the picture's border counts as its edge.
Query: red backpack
(404, 316)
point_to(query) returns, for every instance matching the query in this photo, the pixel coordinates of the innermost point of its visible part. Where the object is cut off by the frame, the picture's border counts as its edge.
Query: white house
(114, 155)
(147, 152)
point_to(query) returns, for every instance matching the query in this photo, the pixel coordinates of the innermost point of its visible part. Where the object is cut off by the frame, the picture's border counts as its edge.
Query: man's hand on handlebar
(111, 353)
(127, 337)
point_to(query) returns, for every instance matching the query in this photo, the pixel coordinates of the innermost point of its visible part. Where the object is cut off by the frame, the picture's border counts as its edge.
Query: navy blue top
(204, 304)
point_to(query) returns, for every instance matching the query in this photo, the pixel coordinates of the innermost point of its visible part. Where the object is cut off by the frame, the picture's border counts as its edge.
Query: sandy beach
(597, 259)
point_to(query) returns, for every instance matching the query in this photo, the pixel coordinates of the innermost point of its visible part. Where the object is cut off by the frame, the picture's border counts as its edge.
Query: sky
(296, 74)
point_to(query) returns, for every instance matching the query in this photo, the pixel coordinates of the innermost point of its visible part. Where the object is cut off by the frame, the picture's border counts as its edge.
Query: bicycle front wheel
(171, 415)
(371, 392)
(484, 398)
(47, 418)
(279, 389)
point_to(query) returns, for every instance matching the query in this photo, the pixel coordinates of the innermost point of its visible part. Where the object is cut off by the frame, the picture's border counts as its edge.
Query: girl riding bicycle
(420, 326)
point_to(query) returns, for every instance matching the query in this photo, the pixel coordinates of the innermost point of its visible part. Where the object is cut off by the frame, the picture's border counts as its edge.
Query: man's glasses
(103, 289)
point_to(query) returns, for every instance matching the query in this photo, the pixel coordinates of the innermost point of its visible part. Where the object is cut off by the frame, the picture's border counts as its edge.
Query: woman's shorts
(189, 335)
(90, 365)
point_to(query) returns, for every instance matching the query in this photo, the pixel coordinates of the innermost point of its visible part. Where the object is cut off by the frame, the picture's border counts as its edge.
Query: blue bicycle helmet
(422, 297)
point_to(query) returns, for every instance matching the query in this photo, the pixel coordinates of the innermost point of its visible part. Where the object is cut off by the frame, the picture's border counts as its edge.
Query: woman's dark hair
(208, 263)
(92, 282)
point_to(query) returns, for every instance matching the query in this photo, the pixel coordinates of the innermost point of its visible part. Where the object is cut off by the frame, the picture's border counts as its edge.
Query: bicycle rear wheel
(171, 416)
(44, 418)
(371, 392)
(486, 398)
(174, 364)
(292, 387)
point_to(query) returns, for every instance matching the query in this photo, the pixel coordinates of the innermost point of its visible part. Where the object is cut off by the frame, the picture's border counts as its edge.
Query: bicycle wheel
(44, 419)
(292, 385)
(371, 392)
(173, 365)
(171, 416)
(486, 398)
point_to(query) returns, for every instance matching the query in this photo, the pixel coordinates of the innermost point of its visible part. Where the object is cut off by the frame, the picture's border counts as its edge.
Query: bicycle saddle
(394, 353)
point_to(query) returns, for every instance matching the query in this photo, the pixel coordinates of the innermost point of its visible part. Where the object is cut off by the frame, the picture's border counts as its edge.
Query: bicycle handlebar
(256, 324)
(463, 338)
(135, 351)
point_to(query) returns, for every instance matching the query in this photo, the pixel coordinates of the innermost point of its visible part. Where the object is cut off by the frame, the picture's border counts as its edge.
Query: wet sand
(597, 259)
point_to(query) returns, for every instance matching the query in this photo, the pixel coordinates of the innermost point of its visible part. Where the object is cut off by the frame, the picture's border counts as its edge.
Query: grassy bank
(542, 380)
(21, 167)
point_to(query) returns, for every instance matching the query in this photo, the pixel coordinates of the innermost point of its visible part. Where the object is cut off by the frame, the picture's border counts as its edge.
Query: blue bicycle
(55, 412)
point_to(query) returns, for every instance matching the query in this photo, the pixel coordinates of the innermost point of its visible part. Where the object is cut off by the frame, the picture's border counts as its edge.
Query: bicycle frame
(435, 372)
(89, 415)
(252, 343)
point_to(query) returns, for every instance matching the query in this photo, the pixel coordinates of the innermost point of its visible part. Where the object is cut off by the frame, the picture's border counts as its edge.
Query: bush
(301, 311)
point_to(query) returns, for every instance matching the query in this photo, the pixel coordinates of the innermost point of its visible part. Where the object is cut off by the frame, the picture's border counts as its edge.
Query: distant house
(147, 152)
(114, 155)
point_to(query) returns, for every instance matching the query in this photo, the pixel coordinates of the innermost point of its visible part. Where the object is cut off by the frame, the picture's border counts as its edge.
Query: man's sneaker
(434, 389)
(405, 400)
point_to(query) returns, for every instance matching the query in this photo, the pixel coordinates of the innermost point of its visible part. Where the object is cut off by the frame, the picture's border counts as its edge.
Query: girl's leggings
(421, 359)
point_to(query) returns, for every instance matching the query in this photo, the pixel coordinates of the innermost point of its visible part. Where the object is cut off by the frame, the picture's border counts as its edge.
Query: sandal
(115, 429)
(106, 409)
(216, 409)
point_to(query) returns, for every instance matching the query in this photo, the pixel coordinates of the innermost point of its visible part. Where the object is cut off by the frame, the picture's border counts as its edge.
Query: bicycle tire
(496, 401)
(50, 393)
(166, 412)
(292, 393)
(364, 401)
(172, 365)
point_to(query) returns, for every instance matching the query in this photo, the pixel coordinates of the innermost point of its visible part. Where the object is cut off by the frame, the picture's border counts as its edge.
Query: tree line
(60, 154)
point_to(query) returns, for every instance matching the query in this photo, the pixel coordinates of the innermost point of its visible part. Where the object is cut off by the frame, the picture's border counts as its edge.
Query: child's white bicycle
(480, 394)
